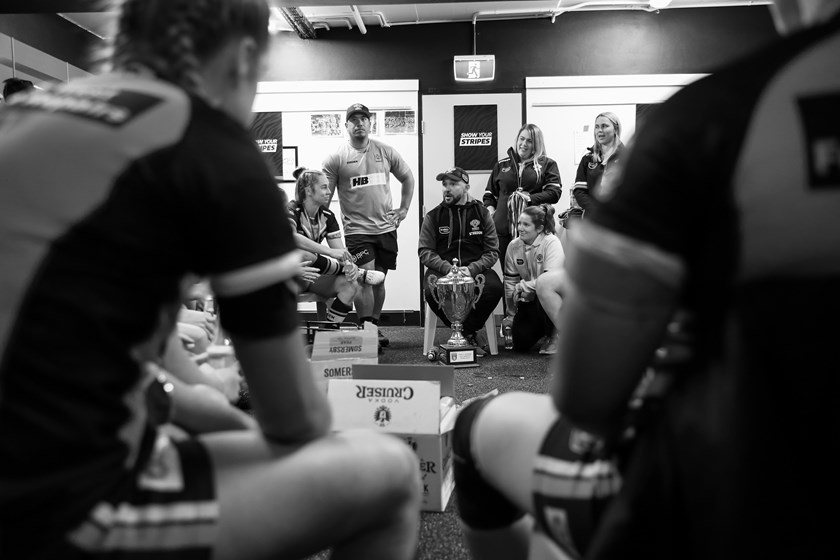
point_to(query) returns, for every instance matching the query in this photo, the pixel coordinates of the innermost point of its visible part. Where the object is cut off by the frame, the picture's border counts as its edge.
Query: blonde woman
(94, 246)
(526, 177)
(598, 168)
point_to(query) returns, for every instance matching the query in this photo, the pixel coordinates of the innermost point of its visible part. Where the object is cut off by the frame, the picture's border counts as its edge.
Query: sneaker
(371, 277)
(383, 340)
(550, 347)
(472, 340)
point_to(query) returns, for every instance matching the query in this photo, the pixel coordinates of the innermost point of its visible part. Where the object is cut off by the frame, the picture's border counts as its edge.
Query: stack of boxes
(414, 403)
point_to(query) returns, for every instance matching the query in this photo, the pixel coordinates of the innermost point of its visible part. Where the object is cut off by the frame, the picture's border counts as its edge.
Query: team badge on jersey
(520, 262)
(444, 230)
(821, 121)
(539, 257)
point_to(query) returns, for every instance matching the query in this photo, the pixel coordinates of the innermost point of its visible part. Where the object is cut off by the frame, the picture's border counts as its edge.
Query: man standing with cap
(360, 171)
(461, 228)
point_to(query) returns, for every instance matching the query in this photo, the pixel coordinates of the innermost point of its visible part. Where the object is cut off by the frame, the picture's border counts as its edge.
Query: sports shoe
(472, 340)
(371, 277)
(383, 340)
(550, 346)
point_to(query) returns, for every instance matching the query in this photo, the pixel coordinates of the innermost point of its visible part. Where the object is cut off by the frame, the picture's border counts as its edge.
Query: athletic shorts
(572, 486)
(171, 513)
(381, 249)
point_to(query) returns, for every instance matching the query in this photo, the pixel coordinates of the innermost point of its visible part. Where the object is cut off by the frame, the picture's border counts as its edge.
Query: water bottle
(508, 337)
(432, 354)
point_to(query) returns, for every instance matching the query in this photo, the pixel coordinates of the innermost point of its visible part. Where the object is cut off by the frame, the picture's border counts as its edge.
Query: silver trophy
(456, 294)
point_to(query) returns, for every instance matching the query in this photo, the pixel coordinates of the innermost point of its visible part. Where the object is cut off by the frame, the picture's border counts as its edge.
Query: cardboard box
(335, 352)
(405, 400)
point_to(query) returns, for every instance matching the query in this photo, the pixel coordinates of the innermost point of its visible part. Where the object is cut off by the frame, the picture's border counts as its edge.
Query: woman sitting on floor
(535, 251)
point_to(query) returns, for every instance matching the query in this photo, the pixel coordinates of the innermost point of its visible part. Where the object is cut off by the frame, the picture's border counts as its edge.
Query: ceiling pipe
(383, 22)
(358, 17)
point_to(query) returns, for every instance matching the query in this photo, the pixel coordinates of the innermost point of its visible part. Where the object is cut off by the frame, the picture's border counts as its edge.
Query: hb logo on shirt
(359, 182)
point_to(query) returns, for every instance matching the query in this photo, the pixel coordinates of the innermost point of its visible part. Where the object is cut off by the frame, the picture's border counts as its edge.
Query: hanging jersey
(362, 179)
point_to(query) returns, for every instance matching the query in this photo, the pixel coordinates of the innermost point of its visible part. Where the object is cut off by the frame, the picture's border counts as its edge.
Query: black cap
(357, 108)
(454, 173)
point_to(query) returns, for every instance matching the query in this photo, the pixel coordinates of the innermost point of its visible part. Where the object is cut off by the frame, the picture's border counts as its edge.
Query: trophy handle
(479, 285)
(432, 281)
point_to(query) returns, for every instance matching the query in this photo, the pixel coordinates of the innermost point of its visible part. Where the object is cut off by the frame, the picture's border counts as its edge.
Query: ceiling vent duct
(299, 22)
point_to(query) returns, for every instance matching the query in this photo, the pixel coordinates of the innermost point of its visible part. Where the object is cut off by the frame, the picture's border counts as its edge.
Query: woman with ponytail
(598, 169)
(526, 177)
(94, 251)
(536, 250)
(339, 278)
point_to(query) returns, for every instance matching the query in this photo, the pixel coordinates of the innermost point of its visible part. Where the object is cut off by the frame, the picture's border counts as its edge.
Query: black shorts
(572, 485)
(170, 513)
(381, 249)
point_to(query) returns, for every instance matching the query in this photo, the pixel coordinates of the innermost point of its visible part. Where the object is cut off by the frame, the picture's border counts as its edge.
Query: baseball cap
(357, 108)
(454, 173)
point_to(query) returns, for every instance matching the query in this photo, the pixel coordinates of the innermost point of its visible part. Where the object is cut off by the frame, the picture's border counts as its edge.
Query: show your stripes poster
(476, 137)
(267, 130)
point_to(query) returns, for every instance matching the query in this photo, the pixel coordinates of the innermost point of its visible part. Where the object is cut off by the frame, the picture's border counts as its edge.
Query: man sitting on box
(461, 228)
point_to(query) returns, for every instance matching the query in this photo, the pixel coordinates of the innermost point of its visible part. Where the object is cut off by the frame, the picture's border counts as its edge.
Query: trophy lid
(455, 276)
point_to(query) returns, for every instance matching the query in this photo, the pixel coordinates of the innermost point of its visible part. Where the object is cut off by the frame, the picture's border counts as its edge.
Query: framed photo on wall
(290, 162)
(399, 122)
(326, 124)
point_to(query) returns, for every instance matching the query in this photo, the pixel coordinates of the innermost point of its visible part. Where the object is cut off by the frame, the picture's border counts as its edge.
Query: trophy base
(457, 356)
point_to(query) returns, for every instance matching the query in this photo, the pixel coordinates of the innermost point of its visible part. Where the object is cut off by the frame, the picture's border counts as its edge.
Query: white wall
(298, 100)
(439, 130)
(563, 106)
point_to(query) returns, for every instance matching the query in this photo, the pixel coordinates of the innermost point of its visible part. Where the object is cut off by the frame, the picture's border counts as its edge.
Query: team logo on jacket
(443, 230)
(520, 262)
(475, 223)
(539, 258)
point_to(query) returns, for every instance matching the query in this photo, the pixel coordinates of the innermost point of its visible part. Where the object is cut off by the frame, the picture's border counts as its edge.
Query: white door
(438, 131)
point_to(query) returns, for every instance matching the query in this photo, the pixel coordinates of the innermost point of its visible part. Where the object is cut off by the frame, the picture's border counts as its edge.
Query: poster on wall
(399, 122)
(290, 162)
(326, 124)
(267, 130)
(476, 137)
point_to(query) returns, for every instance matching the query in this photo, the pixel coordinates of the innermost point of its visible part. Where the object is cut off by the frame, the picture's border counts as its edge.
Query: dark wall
(580, 43)
(686, 40)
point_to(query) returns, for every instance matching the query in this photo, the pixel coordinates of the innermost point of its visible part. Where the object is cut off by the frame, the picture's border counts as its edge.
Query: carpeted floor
(440, 535)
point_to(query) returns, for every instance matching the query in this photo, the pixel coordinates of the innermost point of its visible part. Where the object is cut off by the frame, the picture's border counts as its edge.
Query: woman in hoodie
(526, 177)
(535, 251)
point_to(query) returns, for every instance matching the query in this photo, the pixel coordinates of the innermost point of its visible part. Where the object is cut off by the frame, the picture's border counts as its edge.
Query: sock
(337, 311)
(328, 265)
(375, 321)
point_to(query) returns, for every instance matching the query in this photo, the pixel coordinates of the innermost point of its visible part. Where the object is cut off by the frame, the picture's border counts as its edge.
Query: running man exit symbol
(474, 71)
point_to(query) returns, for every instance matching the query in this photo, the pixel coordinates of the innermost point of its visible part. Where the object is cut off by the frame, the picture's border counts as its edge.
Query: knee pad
(479, 504)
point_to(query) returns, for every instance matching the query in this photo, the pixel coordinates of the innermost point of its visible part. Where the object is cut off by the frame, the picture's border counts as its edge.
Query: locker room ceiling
(325, 15)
